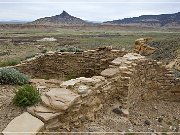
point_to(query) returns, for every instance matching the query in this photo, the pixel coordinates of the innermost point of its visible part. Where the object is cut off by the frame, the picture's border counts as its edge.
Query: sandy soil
(8, 110)
(147, 116)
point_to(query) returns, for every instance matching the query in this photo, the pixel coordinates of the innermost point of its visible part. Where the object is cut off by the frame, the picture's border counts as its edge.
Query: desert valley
(65, 75)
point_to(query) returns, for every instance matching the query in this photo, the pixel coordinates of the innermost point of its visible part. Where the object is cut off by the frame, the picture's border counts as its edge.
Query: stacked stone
(131, 78)
(177, 63)
(61, 64)
(151, 80)
(83, 103)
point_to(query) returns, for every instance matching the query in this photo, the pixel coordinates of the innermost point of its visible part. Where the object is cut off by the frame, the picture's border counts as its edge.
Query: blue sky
(92, 10)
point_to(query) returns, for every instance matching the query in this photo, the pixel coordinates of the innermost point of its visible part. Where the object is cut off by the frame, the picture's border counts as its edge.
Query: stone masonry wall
(59, 65)
(152, 81)
(128, 79)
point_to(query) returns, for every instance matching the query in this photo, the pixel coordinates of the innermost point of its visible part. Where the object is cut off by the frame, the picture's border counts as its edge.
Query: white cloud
(99, 10)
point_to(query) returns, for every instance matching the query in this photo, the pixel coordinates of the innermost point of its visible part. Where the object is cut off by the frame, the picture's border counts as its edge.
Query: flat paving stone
(25, 124)
(43, 113)
(60, 98)
(109, 72)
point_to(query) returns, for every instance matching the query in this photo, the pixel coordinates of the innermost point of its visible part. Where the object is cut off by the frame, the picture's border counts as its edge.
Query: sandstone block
(109, 72)
(25, 124)
(43, 113)
(71, 82)
(60, 98)
(119, 61)
(133, 56)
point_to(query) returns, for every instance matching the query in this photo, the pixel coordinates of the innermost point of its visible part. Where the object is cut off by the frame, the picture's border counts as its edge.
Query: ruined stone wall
(128, 79)
(177, 63)
(59, 65)
(152, 81)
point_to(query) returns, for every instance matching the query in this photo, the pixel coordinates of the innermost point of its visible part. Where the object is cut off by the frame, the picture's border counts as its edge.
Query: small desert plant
(12, 76)
(79, 50)
(70, 49)
(62, 50)
(27, 95)
(177, 73)
(9, 63)
(30, 56)
(44, 50)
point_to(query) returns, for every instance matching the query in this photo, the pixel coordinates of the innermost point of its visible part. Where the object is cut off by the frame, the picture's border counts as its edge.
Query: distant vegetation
(69, 49)
(9, 63)
(166, 49)
(75, 39)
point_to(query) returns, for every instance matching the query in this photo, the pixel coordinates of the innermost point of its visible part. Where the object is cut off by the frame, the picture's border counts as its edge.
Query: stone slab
(43, 113)
(60, 98)
(71, 82)
(119, 61)
(25, 124)
(133, 56)
(109, 72)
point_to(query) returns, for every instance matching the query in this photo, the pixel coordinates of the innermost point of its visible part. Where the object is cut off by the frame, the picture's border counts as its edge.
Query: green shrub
(27, 95)
(79, 50)
(30, 56)
(12, 76)
(176, 73)
(70, 49)
(62, 50)
(44, 51)
(9, 63)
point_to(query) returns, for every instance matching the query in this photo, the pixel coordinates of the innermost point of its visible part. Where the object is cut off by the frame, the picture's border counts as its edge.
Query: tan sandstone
(25, 124)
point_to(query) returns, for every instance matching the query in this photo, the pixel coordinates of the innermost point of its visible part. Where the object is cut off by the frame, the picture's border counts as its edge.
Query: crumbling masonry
(110, 75)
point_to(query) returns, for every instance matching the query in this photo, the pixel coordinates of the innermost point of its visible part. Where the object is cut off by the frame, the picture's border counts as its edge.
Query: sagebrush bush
(44, 50)
(27, 95)
(70, 49)
(12, 76)
(9, 63)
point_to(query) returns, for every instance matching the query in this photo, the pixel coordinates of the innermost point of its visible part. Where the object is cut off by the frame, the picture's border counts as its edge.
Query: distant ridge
(163, 20)
(63, 19)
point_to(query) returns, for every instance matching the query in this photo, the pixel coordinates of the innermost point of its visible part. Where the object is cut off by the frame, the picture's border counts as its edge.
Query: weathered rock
(25, 124)
(119, 60)
(60, 98)
(83, 89)
(117, 111)
(177, 63)
(147, 122)
(109, 72)
(133, 56)
(141, 46)
(43, 113)
(71, 82)
(89, 80)
(125, 112)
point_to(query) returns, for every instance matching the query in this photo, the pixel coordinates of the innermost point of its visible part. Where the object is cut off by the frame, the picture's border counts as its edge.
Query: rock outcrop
(141, 46)
(177, 63)
(63, 19)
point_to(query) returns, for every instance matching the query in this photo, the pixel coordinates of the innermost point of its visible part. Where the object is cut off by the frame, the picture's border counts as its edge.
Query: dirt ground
(146, 116)
(8, 110)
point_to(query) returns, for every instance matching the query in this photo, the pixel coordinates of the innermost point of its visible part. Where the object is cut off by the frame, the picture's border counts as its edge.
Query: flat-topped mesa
(141, 46)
